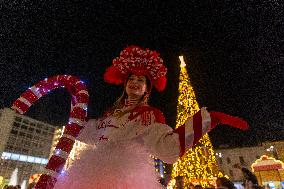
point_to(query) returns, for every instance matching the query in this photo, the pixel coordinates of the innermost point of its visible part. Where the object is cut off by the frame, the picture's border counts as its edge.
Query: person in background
(179, 182)
(12, 187)
(198, 186)
(224, 183)
(250, 180)
(191, 186)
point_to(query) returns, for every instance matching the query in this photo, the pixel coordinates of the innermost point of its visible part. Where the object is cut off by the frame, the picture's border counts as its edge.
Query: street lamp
(274, 151)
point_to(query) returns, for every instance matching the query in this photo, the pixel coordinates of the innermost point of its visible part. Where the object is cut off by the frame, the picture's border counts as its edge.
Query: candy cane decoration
(34, 178)
(78, 114)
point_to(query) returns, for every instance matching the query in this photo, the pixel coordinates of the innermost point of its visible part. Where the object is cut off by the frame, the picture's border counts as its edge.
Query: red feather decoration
(113, 76)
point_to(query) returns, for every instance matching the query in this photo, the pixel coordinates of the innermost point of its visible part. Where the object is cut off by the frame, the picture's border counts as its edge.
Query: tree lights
(198, 165)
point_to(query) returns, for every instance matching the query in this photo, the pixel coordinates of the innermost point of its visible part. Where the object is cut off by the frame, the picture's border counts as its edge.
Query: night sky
(233, 51)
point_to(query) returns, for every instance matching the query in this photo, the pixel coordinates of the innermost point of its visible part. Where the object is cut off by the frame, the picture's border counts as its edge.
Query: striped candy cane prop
(78, 114)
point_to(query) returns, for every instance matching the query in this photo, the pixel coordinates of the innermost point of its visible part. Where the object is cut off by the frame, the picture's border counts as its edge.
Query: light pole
(274, 152)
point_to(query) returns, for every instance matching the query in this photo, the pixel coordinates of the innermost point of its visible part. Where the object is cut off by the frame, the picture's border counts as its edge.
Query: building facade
(25, 144)
(246, 156)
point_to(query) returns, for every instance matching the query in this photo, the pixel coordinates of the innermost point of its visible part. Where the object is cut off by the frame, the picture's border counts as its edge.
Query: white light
(30, 159)
(37, 160)
(182, 63)
(44, 161)
(15, 156)
(5, 155)
(23, 158)
(270, 149)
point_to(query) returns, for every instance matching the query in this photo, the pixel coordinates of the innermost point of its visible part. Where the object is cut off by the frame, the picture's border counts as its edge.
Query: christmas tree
(198, 165)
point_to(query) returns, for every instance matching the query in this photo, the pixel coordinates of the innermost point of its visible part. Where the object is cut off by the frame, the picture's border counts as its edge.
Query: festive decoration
(135, 60)
(198, 165)
(78, 114)
(75, 152)
(266, 163)
(268, 169)
(159, 167)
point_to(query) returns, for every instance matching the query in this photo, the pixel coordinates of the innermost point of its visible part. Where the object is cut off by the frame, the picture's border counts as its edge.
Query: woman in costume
(120, 143)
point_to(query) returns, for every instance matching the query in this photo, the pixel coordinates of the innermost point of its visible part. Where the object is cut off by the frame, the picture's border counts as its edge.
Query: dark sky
(232, 49)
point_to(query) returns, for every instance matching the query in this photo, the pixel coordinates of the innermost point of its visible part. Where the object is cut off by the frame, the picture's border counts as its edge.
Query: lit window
(6, 155)
(23, 158)
(30, 159)
(37, 160)
(15, 157)
(44, 161)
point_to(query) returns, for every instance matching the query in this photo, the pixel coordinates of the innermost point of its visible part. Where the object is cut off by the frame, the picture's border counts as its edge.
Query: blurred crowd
(249, 182)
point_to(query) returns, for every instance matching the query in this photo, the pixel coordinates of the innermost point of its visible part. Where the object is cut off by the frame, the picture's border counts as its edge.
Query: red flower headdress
(135, 60)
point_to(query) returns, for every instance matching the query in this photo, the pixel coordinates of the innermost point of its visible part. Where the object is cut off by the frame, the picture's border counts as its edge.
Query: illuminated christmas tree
(198, 165)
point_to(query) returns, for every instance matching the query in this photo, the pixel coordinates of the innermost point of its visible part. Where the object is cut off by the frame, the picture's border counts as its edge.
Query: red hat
(135, 60)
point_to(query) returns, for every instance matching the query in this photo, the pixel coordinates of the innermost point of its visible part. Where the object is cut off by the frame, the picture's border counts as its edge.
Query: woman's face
(136, 86)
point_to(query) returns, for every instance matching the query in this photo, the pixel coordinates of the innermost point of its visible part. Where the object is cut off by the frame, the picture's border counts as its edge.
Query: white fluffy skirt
(111, 166)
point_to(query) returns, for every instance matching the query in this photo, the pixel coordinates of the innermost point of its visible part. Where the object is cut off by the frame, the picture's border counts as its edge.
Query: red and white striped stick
(78, 114)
